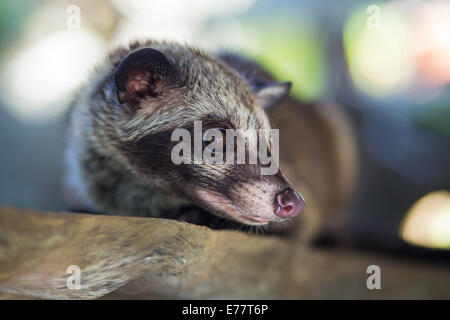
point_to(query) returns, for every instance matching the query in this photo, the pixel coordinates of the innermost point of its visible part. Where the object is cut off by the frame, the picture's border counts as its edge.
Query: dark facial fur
(119, 148)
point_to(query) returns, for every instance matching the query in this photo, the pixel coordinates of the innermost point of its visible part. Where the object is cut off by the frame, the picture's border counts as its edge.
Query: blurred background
(387, 63)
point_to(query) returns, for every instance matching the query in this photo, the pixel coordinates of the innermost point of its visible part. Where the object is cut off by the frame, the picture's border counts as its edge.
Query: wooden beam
(125, 257)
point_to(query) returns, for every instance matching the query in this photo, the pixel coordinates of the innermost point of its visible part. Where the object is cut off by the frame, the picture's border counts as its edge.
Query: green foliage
(292, 51)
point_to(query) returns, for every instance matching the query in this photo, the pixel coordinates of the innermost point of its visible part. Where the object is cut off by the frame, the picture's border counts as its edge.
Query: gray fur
(104, 138)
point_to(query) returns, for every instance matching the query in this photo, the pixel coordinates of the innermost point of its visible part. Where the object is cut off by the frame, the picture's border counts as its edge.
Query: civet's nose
(289, 203)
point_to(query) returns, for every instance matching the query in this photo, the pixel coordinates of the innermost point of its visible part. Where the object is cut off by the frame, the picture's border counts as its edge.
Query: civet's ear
(269, 95)
(143, 73)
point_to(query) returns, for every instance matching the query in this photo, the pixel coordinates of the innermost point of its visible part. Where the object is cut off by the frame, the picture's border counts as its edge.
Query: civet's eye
(214, 140)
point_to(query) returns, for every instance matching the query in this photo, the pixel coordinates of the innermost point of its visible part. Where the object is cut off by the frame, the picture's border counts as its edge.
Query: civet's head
(154, 89)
